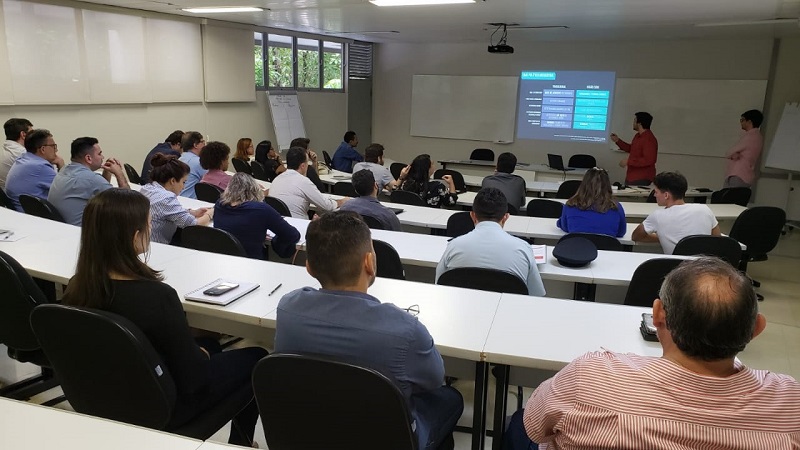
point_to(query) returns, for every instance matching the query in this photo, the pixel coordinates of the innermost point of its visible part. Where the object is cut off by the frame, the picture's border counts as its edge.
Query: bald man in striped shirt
(697, 395)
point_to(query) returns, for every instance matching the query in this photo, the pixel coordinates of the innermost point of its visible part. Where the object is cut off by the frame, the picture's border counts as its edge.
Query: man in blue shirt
(33, 172)
(344, 322)
(170, 146)
(367, 203)
(346, 154)
(489, 247)
(192, 144)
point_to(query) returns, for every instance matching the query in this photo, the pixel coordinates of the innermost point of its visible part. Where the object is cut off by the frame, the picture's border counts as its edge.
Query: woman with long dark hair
(435, 192)
(270, 159)
(592, 209)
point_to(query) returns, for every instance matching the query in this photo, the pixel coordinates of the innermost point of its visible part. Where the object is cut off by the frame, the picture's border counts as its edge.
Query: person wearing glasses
(592, 209)
(33, 172)
(192, 144)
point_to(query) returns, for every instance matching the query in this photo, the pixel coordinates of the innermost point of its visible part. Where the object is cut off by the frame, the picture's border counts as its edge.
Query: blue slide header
(538, 75)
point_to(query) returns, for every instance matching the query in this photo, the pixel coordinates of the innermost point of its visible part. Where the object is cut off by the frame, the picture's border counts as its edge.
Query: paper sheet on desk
(539, 253)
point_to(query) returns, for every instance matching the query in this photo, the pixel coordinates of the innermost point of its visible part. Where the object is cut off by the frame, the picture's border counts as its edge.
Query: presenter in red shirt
(643, 152)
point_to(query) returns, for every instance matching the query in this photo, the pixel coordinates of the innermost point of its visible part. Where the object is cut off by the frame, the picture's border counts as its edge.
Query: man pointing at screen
(643, 152)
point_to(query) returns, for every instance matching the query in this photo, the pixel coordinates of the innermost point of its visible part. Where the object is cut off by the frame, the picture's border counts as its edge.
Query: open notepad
(243, 289)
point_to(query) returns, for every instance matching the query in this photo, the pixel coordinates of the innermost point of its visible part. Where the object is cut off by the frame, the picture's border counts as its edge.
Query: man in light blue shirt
(374, 163)
(192, 144)
(346, 154)
(489, 247)
(33, 172)
(77, 183)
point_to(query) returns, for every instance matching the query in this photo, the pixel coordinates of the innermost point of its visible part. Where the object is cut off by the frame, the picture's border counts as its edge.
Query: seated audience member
(111, 277)
(592, 209)
(513, 186)
(367, 203)
(214, 159)
(346, 154)
(296, 190)
(33, 172)
(77, 182)
(242, 212)
(341, 320)
(270, 159)
(170, 146)
(244, 150)
(696, 395)
(166, 213)
(192, 145)
(418, 180)
(312, 158)
(678, 219)
(489, 247)
(373, 156)
(14, 145)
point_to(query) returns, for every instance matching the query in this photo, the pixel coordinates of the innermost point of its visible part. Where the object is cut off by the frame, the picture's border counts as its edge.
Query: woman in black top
(435, 193)
(270, 159)
(110, 276)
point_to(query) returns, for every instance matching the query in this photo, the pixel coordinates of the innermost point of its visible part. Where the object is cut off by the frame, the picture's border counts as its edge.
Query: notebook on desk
(556, 162)
(202, 294)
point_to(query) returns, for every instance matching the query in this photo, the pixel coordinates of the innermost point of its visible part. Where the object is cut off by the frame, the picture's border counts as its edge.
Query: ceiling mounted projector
(501, 48)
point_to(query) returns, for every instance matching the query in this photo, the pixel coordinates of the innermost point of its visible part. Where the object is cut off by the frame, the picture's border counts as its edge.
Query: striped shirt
(166, 213)
(606, 400)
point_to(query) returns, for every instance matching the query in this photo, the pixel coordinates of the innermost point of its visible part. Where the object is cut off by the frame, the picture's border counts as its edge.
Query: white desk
(530, 172)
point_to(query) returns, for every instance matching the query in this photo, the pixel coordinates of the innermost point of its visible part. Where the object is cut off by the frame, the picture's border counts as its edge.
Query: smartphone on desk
(647, 328)
(220, 289)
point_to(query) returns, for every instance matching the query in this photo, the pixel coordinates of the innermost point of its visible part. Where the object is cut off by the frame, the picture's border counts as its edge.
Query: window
(258, 54)
(332, 65)
(288, 62)
(280, 61)
(308, 63)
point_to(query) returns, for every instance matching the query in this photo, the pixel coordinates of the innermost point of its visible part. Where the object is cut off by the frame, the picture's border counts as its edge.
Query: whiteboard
(784, 151)
(690, 117)
(286, 118)
(464, 107)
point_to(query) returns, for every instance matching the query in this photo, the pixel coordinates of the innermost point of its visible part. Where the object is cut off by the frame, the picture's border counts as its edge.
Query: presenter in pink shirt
(743, 157)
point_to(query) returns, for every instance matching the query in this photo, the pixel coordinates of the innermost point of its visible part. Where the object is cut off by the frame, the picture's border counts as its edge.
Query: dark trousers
(436, 413)
(515, 437)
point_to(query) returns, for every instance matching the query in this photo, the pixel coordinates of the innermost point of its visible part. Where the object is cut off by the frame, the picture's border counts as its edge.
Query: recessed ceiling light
(223, 9)
(416, 2)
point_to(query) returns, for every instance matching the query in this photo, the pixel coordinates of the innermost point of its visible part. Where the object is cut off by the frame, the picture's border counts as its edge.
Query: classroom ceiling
(586, 19)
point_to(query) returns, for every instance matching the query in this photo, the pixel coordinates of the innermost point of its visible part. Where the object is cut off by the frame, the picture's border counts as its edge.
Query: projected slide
(565, 106)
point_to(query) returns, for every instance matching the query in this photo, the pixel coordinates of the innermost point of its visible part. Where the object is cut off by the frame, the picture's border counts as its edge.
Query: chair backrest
(278, 205)
(214, 240)
(568, 188)
(258, 171)
(601, 241)
(459, 223)
(207, 192)
(133, 175)
(646, 281)
(723, 247)
(241, 166)
(540, 207)
(484, 279)
(651, 198)
(328, 160)
(5, 202)
(40, 207)
(372, 222)
(512, 210)
(363, 410)
(582, 161)
(482, 154)
(759, 228)
(395, 168)
(105, 365)
(406, 198)
(458, 179)
(344, 188)
(389, 264)
(735, 196)
(20, 296)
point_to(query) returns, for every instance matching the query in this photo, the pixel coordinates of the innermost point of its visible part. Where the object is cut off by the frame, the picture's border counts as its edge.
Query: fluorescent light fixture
(223, 9)
(747, 22)
(416, 2)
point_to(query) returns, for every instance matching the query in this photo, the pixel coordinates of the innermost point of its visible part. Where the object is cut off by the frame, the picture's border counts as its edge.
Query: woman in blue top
(592, 209)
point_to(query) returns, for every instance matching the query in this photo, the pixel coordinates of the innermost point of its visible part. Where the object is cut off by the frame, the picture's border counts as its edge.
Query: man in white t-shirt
(678, 219)
(373, 156)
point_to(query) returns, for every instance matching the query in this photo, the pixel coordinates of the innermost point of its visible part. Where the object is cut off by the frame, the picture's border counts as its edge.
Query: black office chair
(459, 224)
(328, 159)
(363, 410)
(259, 172)
(20, 296)
(484, 279)
(540, 207)
(601, 241)
(395, 168)
(5, 202)
(241, 166)
(651, 198)
(458, 179)
(344, 188)
(40, 207)
(582, 161)
(512, 210)
(482, 154)
(214, 240)
(133, 175)
(759, 228)
(723, 247)
(568, 188)
(407, 198)
(108, 368)
(278, 205)
(372, 222)
(207, 192)
(389, 264)
(646, 281)
(735, 196)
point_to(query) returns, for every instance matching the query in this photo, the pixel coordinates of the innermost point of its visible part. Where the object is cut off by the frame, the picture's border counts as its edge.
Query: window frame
(295, 81)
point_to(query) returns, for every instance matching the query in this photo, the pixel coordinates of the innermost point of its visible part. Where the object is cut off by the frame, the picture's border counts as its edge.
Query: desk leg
(500, 405)
(479, 405)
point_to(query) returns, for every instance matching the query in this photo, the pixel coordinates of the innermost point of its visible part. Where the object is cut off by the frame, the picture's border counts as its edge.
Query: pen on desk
(276, 288)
